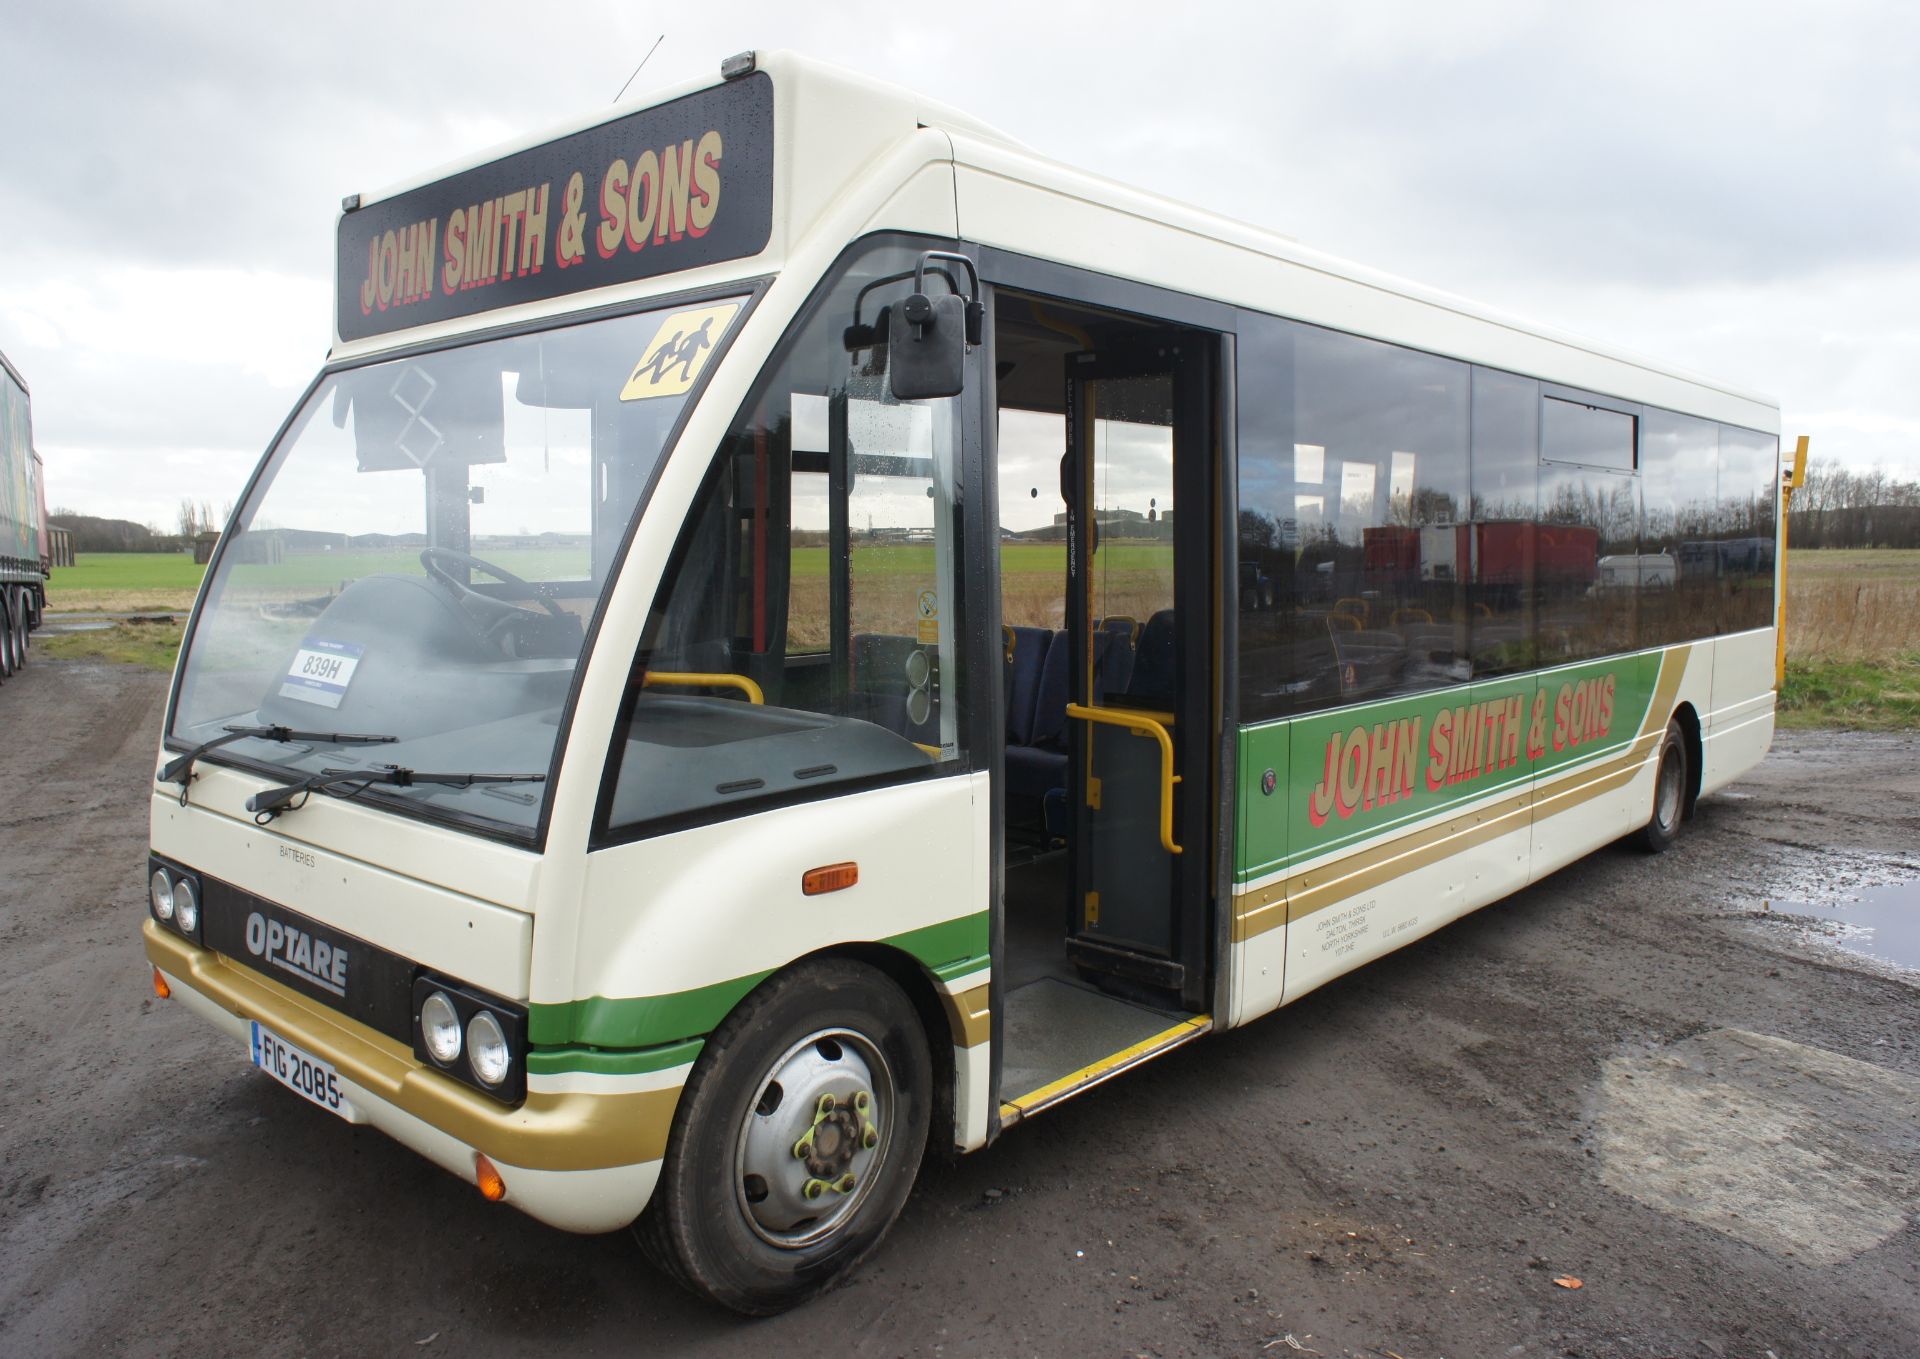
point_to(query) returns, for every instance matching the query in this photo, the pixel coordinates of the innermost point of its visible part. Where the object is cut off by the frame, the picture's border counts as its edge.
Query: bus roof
(833, 129)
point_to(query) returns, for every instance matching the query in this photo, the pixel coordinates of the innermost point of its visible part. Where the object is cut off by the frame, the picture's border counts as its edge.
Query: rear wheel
(9, 638)
(1669, 793)
(796, 1140)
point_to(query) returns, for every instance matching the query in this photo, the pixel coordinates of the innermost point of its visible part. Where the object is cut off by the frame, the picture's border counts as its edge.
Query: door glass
(1126, 875)
(1130, 575)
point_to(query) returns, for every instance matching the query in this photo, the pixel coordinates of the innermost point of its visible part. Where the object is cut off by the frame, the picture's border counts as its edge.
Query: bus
(793, 633)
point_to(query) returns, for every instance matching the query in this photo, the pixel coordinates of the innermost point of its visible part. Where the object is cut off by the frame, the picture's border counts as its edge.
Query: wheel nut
(845, 1185)
(871, 1139)
(803, 1148)
(813, 1189)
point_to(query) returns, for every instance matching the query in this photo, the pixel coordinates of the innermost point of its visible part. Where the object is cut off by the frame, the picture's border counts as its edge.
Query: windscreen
(424, 550)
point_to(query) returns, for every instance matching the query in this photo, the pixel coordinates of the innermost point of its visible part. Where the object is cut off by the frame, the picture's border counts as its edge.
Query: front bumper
(582, 1160)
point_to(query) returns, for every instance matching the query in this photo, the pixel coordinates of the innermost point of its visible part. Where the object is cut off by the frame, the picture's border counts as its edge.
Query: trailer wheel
(1669, 793)
(796, 1140)
(8, 661)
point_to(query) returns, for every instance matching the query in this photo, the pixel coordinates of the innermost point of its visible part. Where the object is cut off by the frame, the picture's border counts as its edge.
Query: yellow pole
(1794, 476)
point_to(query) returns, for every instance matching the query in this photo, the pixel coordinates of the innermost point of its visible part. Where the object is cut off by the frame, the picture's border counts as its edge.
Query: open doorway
(1104, 437)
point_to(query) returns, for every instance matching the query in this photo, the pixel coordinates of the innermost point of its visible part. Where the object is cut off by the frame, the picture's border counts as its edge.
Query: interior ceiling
(1032, 338)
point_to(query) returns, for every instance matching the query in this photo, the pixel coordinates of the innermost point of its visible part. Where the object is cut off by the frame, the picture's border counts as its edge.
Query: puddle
(1882, 923)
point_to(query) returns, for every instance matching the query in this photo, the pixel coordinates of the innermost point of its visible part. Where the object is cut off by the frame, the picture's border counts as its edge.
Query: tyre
(796, 1140)
(9, 662)
(1669, 794)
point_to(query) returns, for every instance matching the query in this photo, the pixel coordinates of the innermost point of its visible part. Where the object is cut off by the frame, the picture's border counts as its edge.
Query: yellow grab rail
(688, 679)
(1142, 724)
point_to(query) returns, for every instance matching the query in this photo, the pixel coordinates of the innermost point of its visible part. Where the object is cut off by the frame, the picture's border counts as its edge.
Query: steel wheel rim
(771, 1179)
(1667, 805)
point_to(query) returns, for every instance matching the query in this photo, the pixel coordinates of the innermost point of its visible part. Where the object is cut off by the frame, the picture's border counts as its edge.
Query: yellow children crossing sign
(678, 351)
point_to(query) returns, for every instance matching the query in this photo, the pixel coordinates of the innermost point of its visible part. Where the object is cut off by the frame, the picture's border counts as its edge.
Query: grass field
(153, 645)
(1853, 639)
(1853, 617)
(125, 582)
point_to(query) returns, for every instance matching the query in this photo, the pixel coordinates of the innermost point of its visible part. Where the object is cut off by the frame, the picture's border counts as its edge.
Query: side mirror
(927, 337)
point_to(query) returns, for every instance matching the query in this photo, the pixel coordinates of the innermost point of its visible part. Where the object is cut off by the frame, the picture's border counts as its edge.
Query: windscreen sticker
(678, 351)
(321, 672)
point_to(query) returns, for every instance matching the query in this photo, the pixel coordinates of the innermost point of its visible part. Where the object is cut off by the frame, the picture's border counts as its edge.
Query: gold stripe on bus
(1673, 667)
(969, 1016)
(549, 1131)
(1289, 899)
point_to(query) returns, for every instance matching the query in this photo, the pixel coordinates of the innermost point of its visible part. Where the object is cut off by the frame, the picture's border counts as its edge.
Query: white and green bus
(793, 632)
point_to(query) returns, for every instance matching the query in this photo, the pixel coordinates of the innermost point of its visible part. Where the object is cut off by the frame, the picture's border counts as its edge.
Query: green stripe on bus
(1353, 774)
(602, 1062)
(949, 949)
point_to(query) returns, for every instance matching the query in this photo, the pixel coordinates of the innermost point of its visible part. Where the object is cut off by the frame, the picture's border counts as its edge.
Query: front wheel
(796, 1140)
(1669, 794)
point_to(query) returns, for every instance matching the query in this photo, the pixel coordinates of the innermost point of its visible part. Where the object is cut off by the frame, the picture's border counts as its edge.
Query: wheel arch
(1689, 721)
(931, 1003)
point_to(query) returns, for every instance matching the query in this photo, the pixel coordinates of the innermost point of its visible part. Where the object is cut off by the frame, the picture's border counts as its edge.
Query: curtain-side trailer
(23, 536)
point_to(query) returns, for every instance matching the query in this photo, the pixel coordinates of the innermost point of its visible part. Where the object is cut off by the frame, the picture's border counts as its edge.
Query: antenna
(643, 61)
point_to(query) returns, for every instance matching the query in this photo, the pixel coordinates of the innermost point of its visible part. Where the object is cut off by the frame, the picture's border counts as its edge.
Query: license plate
(301, 1072)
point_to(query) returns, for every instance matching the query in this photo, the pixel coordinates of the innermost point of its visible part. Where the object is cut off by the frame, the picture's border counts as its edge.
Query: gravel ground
(1619, 1076)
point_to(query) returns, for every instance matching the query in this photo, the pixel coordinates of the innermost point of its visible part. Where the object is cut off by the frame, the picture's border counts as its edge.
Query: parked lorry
(24, 563)
(1494, 552)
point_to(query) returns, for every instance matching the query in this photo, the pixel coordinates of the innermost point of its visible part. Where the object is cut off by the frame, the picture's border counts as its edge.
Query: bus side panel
(1405, 885)
(1265, 809)
(1738, 725)
(678, 928)
(1595, 778)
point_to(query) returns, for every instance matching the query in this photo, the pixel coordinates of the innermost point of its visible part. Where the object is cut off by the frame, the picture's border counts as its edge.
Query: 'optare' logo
(294, 950)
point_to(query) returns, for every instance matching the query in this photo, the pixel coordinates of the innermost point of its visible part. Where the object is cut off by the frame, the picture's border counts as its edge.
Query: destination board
(673, 187)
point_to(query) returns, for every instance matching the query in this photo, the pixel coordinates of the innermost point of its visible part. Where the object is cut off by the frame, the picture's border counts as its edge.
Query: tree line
(1846, 507)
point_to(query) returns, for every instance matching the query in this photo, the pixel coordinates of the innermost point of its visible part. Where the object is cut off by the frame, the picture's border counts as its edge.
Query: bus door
(1137, 481)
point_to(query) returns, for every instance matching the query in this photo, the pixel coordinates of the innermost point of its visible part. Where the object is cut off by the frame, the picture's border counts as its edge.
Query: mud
(1619, 1076)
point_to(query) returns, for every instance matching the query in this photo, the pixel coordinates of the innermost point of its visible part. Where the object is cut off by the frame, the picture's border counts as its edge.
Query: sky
(1731, 188)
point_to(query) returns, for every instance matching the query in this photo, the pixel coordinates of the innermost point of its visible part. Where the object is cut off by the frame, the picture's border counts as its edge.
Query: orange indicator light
(492, 1187)
(160, 987)
(829, 878)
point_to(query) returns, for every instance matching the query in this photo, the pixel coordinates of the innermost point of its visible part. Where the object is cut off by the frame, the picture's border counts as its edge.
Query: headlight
(186, 909)
(487, 1051)
(161, 887)
(440, 1028)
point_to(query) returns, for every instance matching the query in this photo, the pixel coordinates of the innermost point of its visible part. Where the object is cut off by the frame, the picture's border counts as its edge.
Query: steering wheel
(431, 558)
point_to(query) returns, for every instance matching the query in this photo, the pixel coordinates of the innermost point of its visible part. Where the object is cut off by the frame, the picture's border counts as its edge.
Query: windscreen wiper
(269, 804)
(180, 771)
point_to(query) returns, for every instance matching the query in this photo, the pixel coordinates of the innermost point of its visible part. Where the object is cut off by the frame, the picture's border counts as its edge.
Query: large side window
(1500, 533)
(1353, 497)
(1587, 546)
(1744, 534)
(1680, 460)
(807, 635)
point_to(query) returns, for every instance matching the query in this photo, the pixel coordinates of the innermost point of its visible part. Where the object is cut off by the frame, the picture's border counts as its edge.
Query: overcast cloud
(1732, 188)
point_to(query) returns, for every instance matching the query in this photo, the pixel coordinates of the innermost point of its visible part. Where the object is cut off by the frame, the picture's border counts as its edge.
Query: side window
(1744, 535)
(807, 635)
(1501, 530)
(1680, 460)
(1587, 546)
(1353, 499)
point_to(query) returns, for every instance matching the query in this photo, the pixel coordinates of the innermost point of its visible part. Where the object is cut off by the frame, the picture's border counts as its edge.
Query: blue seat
(1152, 681)
(1023, 681)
